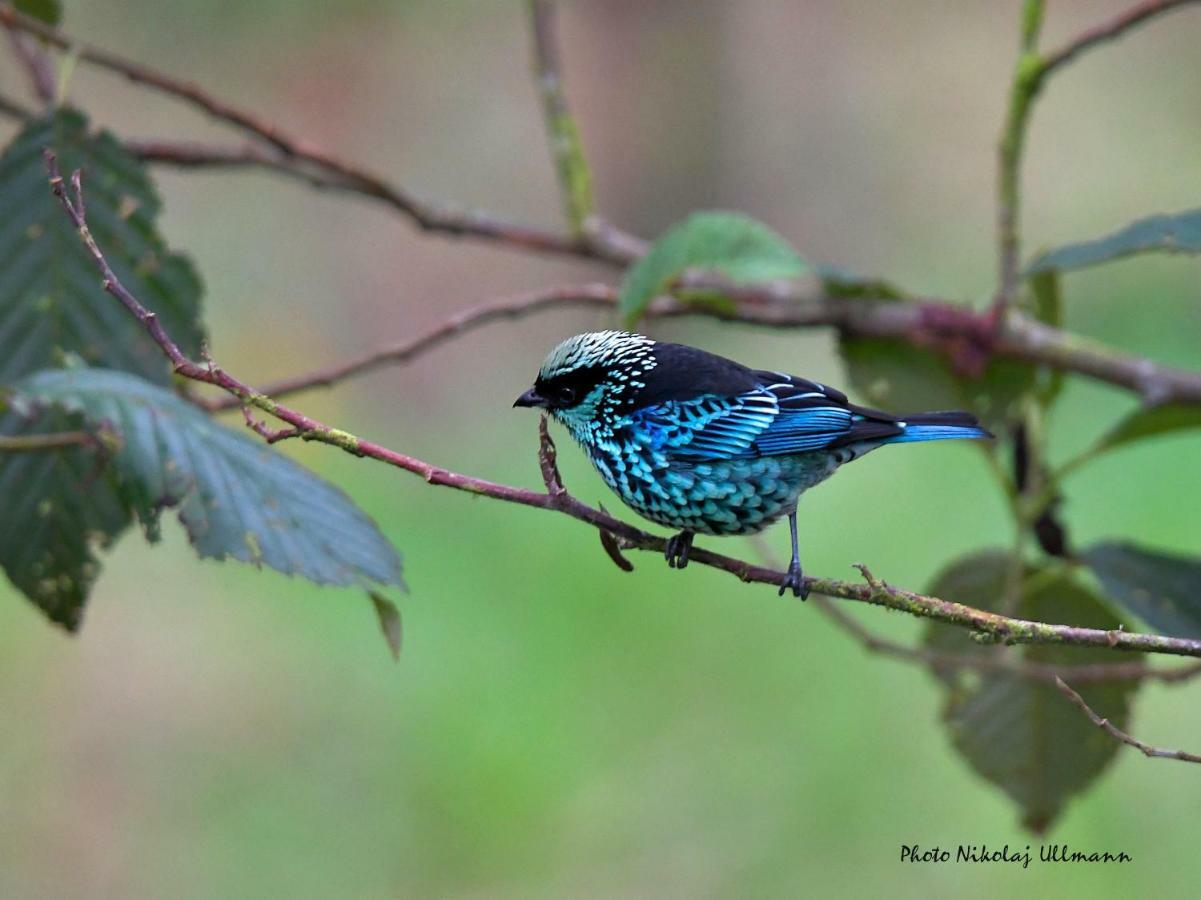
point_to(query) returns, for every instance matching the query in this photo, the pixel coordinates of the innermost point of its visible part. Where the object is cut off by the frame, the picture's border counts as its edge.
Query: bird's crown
(595, 349)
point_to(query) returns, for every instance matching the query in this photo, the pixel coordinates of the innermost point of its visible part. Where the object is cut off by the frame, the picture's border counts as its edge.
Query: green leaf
(48, 11)
(737, 246)
(59, 507)
(904, 378)
(51, 300)
(1018, 733)
(1162, 589)
(1175, 233)
(236, 497)
(1150, 422)
(1048, 300)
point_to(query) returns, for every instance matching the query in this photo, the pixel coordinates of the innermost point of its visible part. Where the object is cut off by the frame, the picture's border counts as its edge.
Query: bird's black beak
(530, 398)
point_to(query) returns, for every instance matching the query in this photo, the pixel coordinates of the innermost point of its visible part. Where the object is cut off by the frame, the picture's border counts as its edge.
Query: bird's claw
(678, 548)
(795, 579)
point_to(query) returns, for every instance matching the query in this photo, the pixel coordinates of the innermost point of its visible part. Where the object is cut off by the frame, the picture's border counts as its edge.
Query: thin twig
(1000, 660)
(265, 431)
(1027, 79)
(997, 627)
(996, 662)
(1114, 28)
(402, 352)
(1030, 75)
(41, 75)
(35, 443)
(426, 214)
(1113, 731)
(935, 324)
(575, 180)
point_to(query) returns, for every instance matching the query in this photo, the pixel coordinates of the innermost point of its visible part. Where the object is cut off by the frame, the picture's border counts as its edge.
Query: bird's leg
(678, 548)
(795, 579)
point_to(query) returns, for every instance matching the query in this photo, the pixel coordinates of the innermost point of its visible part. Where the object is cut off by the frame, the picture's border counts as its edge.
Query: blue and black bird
(706, 445)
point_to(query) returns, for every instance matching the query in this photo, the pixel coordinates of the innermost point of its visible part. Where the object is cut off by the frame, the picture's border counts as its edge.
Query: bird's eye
(567, 395)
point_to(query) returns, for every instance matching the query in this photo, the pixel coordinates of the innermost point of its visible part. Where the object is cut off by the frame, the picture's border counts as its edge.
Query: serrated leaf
(51, 300)
(904, 378)
(740, 248)
(1162, 589)
(48, 11)
(1018, 733)
(1171, 233)
(236, 497)
(59, 507)
(1150, 422)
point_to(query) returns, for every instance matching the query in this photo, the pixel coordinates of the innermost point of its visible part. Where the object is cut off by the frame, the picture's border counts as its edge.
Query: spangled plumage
(704, 444)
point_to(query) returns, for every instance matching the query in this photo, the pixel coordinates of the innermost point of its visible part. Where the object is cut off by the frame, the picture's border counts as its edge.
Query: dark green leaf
(236, 497)
(738, 247)
(1150, 422)
(1162, 589)
(51, 301)
(1176, 233)
(1021, 734)
(59, 506)
(904, 378)
(49, 11)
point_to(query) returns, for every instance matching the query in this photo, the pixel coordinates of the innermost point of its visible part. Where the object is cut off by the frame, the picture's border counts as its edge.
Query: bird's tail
(937, 426)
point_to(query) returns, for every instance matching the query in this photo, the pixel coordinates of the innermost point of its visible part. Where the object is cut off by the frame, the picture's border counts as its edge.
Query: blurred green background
(555, 727)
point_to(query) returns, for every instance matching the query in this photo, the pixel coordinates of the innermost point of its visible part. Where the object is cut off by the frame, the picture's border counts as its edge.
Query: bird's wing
(783, 414)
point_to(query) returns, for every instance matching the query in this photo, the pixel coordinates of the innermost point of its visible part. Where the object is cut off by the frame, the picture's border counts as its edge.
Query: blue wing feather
(781, 416)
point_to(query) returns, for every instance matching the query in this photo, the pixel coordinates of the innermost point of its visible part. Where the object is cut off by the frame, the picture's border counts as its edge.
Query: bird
(705, 445)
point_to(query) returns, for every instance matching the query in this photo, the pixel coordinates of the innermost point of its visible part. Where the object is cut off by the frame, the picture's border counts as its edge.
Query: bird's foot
(794, 579)
(678, 548)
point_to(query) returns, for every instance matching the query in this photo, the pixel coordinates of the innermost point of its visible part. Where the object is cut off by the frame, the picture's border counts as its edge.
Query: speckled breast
(738, 496)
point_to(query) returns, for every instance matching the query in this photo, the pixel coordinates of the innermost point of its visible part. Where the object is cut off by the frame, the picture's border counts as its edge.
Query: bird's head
(588, 380)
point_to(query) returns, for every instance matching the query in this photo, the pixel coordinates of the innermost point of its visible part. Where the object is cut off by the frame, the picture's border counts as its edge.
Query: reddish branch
(994, 626)
(429, 216)
(1114, 28)
(1109, 728)
(941, 326)
(967, 338)
(401, 352)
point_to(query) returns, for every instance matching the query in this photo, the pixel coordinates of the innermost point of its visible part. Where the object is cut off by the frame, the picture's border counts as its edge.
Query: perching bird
(701, 443)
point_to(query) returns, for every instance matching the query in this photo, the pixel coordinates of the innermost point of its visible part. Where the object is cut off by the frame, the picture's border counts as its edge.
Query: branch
(995, 627)
(605, 245)
(401, 352)
(1114, 28)
(935, 324)
(1120, 735)
(937, 659)
(41, 75)
(1030, 74)
(1027, 78)
(575, 181)
(34, 443)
